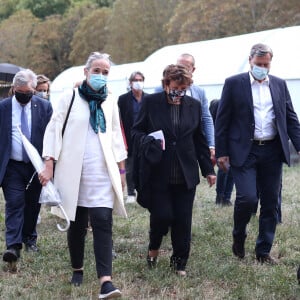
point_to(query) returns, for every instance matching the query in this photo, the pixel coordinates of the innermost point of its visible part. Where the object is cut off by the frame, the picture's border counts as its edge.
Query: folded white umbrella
(49, 194)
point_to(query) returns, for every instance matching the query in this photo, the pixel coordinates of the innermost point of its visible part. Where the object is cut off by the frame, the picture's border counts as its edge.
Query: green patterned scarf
(95, 99)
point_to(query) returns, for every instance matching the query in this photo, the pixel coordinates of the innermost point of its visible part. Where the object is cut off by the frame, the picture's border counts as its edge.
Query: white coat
(69, 150)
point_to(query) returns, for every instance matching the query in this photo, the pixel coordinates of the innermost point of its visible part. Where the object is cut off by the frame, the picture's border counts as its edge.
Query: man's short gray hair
(260, 50)
(133, 74)
(96, 55)
(25, 77)
(188, 56)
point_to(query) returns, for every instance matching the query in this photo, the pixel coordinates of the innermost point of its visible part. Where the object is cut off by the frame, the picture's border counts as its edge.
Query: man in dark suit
(129, 106)
(31, 114)
(254, 122)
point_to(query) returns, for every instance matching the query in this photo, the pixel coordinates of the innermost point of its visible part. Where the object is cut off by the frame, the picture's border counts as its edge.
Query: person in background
(43, 87)
(31, 114)
(10, 92)
(129, 107)
(224, 185)
(90, 168)
(198, 93)
(254, 123)
(168, 175)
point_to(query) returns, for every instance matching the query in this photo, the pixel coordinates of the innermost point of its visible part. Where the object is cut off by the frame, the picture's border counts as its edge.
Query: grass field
(213, 272)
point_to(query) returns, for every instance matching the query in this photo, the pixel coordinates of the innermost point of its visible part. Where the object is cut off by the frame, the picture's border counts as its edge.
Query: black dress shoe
(77, 278)
(219, 199)
(266, 259)
(238, 248)
(226, 202)
(31, 248)
(11, 255)
(151, 261)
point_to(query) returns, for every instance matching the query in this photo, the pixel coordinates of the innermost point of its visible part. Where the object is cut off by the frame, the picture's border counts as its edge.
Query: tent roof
(220, 58)
(215, 60)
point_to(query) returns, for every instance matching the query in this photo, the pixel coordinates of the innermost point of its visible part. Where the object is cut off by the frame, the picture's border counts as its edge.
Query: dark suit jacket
(126, 115)
(234, 130)
(41, 111)
(213, 109)
(189, 145)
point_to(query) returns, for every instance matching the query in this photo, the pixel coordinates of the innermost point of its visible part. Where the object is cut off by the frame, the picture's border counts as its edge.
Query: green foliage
(210, 20)
(213, 272)
(15, 34)
(7, 8)
(129, 30)
(43, 8)
(91, 35)
(137, 27)
(104, 3)
(47, 48)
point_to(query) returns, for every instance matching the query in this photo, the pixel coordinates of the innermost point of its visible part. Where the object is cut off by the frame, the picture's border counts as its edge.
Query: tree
(45, 48)
(43, 8)
(15, 34)
(202, 19)
(104, 3)
(91, 35)
(137, 28)
(7, 8)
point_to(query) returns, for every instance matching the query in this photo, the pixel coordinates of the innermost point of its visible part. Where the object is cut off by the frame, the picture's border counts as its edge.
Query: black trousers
(21, 206)
(261, 172)
(101, 222)
(171, 207)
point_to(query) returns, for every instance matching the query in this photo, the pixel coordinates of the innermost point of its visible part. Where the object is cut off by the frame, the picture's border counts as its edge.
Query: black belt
(263, 142)
(19, 161)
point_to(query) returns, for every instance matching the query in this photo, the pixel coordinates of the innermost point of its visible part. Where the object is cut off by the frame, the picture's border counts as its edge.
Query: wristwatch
(48, 158)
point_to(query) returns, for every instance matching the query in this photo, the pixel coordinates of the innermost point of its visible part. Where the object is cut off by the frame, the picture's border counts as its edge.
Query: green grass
(213, 272)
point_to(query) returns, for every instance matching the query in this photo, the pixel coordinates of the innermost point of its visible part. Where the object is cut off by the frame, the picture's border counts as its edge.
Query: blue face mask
(97, 81)
(259, 73)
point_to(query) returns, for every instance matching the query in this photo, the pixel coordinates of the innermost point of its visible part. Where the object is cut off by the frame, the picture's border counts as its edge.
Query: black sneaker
(108, 291)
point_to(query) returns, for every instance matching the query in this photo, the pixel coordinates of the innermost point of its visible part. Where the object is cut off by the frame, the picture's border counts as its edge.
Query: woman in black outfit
(166, 179)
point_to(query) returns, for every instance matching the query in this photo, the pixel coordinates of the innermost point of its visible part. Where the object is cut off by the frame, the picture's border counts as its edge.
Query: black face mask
(23, 98)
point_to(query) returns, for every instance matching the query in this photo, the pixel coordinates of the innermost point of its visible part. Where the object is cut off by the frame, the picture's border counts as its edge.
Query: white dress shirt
(16, 147)
(264, 116)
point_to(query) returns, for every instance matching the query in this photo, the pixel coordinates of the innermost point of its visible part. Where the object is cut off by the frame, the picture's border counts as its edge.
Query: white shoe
(130, 199)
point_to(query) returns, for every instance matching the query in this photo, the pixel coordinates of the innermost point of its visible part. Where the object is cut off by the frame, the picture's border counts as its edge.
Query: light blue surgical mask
(97, 81)
(42, 94)
(259, 73)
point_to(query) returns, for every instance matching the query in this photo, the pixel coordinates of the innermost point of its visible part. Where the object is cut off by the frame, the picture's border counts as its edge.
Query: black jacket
(189, 145)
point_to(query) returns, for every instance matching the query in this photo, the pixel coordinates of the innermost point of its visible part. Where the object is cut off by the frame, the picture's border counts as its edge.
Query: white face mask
(42, 94)
(138, 85)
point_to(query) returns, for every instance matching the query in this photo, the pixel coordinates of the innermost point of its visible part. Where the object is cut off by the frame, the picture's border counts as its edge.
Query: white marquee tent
(215, 60)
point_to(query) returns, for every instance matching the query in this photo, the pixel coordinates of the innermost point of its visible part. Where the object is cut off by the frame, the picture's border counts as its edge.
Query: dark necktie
(25, 131)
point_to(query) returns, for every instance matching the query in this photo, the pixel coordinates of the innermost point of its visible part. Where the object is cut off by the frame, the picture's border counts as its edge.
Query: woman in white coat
(89, 170)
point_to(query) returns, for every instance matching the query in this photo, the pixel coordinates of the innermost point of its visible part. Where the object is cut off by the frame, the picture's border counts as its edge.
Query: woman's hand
(47, 173)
